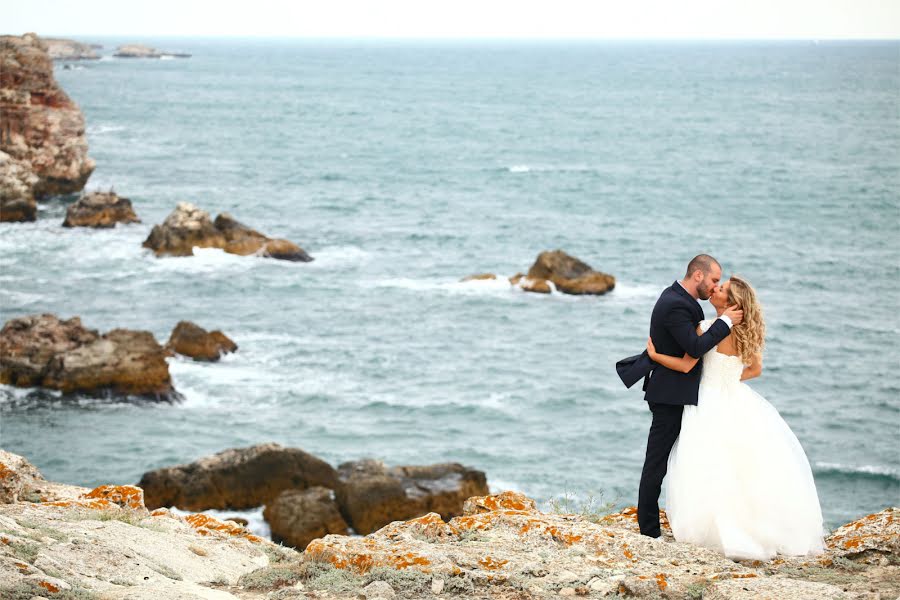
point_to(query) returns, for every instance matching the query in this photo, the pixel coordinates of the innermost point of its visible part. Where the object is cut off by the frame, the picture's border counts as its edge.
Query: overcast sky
(682, 19)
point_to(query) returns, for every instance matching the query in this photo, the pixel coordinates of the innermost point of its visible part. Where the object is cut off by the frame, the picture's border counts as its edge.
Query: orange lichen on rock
(506, 500)
(661, 581)
(204, 524)
(492, 564)
(95, 504)
(879, 532)
(126, 496)
(53, 589)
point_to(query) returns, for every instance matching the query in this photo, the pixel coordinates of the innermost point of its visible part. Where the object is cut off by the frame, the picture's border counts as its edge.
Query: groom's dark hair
(701, 262)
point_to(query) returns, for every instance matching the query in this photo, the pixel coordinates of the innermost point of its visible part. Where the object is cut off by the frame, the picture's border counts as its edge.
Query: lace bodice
(718, 367)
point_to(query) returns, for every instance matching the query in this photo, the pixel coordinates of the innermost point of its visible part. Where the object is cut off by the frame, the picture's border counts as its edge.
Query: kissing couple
(738, 480)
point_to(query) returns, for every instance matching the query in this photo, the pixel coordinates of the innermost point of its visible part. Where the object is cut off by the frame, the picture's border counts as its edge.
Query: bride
(738, 480)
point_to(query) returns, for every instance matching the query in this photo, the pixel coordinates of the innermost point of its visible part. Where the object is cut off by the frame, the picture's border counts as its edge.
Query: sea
(403, 166)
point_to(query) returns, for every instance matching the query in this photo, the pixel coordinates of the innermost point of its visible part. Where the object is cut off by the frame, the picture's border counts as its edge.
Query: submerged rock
(237, 479)
(189, 339)
(42, 129)
(44, 351)
(100, 210)
(297, 517)
(188, 226)
(372, 495)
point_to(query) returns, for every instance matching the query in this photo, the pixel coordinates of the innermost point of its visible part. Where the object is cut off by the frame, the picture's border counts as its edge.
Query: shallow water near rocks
(402, 167)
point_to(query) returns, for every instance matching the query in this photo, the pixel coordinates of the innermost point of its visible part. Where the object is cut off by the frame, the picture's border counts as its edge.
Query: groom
(673, 329)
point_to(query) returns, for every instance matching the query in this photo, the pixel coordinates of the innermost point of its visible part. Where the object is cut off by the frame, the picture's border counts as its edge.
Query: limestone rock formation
(189, 339)
(142, 51)
(188, 226)
(17, 183)
(64, 49)
(236, 479)
(41, 128)
(570, 275)
(100, 210)
(503, 544)
(372, 495)
(297, 517)
(44, 351)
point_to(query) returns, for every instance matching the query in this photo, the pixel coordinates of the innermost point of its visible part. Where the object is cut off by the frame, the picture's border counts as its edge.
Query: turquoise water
(404, 166)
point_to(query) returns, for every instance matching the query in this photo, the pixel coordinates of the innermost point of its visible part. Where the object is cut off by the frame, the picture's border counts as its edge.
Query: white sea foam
(204, 260)
(493, 287)
(519, 169)
(332, 257)
(883, 471)
(101, 129)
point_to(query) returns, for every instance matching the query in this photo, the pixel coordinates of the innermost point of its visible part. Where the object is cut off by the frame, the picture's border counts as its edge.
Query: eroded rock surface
(65, 49)
(188, 226)
(372, 495)
(237, 479)
(44, 351)
(42, 129)
(189, 339)
(297, 517)
(100, 210)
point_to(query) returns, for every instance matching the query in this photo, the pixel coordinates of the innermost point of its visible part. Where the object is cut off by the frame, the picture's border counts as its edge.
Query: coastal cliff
(43, 148)
(62, 541)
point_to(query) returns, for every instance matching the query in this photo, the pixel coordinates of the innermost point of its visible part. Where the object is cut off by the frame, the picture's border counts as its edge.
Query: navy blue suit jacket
(673, 329)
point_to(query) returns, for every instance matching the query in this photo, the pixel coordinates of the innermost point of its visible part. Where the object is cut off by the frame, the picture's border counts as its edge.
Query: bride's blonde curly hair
(750, 334)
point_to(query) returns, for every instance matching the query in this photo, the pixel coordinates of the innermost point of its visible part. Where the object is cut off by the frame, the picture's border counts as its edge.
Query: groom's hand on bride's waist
(732, 315)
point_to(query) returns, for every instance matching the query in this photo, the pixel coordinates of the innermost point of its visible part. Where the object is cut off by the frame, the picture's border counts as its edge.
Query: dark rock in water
(372, 495)
(569, 275)
(239, 520)
(44, 351)
(240, 239)
(100, 210)
(297, 517)
(41, 129)
(189, 339)
(236, 479)
(188, 226)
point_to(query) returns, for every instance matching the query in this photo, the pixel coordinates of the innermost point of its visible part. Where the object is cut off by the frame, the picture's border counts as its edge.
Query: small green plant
(336, 580)
(27, 551)
(27, 590)
(408, 580)
(270, 578)
(695, 591)
(592, 508)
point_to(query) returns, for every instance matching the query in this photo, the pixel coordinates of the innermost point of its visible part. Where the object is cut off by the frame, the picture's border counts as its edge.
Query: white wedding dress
(738, 481)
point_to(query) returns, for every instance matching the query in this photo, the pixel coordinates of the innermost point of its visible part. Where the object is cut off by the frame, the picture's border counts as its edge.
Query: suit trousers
(664, 431)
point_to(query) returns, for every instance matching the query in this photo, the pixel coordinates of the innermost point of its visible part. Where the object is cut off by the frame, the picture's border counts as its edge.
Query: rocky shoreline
(557, 271)
(62, 542)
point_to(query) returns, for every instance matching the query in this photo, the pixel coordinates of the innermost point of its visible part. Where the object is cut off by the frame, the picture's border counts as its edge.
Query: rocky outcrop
(189, 339)
(188, 226)
(237, 479)
(41, 128)
(570, 275)
(73, 542)
(100, 210)
(297, 517)
(503, 544)
(63, 49)
(142, 51)
(103, 543)
(44, 351)
(372, 495)
(557, 271)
